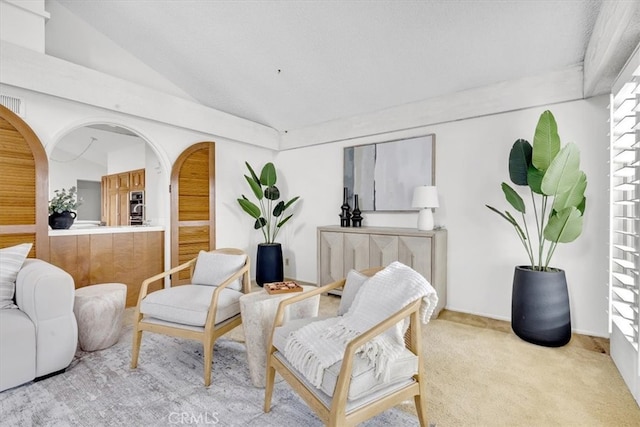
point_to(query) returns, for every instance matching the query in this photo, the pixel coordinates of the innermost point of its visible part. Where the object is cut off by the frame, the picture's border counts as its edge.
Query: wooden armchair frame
(336, 414)
(211, 331)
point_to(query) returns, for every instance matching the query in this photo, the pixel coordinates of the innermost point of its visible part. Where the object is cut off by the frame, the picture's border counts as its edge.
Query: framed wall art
(384, 174)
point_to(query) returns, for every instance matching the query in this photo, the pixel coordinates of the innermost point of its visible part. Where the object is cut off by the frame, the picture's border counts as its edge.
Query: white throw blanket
(318, 345)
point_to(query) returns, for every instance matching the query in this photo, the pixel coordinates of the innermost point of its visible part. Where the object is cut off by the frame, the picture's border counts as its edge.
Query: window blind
(624, 286)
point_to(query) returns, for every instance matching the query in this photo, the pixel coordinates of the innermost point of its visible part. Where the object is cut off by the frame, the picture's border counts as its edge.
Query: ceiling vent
(12, 103)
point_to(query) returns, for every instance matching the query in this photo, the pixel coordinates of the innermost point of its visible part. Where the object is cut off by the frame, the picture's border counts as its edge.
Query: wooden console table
(341, 249)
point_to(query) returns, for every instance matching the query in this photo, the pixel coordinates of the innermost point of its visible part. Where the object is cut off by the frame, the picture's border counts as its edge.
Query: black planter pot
(540, 311)
(269, 263)
(61, 221)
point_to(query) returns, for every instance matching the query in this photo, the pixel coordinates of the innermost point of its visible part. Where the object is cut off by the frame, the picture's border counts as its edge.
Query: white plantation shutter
(624, 248)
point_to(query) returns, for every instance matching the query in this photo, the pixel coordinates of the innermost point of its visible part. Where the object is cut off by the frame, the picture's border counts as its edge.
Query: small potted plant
(269, 218)
(62, 208)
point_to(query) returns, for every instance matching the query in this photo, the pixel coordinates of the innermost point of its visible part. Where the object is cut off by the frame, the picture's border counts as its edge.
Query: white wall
(126, 159)
(22, 23)
(471, 162)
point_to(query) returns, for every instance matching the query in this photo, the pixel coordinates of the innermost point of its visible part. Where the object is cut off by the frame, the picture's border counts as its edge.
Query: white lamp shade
(425, 196)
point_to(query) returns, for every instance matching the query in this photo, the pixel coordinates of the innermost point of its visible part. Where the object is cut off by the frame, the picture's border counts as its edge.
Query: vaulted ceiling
(293, 64)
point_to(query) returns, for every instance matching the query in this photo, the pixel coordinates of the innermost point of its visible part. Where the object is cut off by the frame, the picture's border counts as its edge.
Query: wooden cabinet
(127, 257)
(136, 180)
(341, 249)
(115, 195)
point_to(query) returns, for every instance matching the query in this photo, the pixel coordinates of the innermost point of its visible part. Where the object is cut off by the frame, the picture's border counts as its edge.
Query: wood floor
(597, 344)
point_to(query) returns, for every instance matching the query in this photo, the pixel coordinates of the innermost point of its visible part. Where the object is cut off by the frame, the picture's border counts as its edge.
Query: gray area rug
(167, 388)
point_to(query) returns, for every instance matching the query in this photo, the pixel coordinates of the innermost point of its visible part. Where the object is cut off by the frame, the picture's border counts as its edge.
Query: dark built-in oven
(136, 208)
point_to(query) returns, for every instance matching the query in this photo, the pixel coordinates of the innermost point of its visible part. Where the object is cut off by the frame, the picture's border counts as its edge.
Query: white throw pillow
(213, 268)
(11, 260)
(354, 281)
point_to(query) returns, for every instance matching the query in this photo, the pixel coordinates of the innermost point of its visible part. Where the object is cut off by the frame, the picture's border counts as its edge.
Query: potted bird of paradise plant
(269, 215)
(540, 302)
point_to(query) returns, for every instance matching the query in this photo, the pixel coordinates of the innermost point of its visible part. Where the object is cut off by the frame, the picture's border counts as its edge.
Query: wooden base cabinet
(121, 257)
(341, 249)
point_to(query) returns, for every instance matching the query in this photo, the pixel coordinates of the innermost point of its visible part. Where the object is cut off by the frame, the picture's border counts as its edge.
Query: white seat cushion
(189, 304)
(363, 379)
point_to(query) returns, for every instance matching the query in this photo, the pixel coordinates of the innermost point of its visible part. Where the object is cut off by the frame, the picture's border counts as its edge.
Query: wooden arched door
(24, 186)
(192, 204)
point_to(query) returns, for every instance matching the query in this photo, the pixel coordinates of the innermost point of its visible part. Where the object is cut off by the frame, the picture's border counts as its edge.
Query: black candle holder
(356, 218)
(345, 213)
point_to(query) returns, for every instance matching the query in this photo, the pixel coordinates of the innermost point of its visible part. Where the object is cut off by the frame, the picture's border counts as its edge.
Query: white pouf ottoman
(99, 310)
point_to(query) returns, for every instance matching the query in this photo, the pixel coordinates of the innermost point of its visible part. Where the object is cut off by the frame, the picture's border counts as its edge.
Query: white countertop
(106, 230)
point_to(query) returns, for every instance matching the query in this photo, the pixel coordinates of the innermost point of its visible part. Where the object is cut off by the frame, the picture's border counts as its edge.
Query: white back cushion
(354, 281)
(213, 268)
(11, 260)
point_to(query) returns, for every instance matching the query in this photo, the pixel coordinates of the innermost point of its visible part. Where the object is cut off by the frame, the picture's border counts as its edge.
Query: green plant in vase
(269, 215)
(540, 311)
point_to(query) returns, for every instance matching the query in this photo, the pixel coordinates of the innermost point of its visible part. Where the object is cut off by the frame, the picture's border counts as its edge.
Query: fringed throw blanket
(318, 345)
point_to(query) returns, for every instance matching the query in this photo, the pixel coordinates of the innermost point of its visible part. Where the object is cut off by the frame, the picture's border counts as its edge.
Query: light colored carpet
(477, 376)
(99, 389)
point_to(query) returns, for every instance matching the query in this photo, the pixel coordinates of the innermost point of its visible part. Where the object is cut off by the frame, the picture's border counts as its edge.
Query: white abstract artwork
(383, 175)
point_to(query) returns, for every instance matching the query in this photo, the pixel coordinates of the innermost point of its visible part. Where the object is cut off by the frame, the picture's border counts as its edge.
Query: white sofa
(40, 336)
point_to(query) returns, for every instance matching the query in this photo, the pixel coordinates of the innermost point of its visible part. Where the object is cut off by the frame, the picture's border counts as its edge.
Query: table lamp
(425, 197)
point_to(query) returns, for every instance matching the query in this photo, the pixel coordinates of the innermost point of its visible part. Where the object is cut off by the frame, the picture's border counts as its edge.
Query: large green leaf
(507, 216)
(272, 193)
(564, 226)
(290, 202)
(546, 142)
(563, 172)
(252, 172)
(283, 222)
(255, 187)
(573, 197)
(260, 222)
(519, 161)
(268, 175)
(534, 178)
(249, 207)
(277, 211)
(513, 198)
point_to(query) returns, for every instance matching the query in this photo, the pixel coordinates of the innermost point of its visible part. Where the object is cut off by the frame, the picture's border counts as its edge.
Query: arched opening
(84, 156)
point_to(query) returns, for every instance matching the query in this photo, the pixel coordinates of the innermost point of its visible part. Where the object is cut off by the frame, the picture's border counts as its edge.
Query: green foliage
(554, 178)
(269, 210)
(64, 200)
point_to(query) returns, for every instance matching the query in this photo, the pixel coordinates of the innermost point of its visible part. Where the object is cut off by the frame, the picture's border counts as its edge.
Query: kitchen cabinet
(341, 249)
(115, 195)
(136, 180)
(121, 255)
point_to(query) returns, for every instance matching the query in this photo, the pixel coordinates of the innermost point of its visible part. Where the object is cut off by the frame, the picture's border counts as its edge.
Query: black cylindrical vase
(269, 266)
(540, 312)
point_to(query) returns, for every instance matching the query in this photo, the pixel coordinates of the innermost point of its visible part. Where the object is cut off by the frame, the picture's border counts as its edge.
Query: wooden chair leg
(135, 349)
(208, 359)
(421, 407)
(268, 390)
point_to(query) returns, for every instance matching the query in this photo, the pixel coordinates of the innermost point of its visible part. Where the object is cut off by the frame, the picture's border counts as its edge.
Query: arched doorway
(23, 186)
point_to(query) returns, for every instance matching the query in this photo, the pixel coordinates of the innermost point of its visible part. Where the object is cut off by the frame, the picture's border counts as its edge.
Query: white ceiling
(293, 64)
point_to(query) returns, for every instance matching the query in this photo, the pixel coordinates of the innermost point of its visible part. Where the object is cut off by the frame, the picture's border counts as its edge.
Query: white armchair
(351, 390)
(40, 337)
(204, 310)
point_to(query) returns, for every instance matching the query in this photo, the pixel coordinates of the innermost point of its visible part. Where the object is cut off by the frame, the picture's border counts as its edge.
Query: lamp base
(425, 219)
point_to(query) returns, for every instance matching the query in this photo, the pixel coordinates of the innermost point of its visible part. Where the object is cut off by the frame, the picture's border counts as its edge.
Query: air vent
(12, 103)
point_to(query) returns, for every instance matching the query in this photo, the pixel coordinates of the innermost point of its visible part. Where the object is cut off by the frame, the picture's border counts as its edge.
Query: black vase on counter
(61, 221)
(356, 218)
(345, 215)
